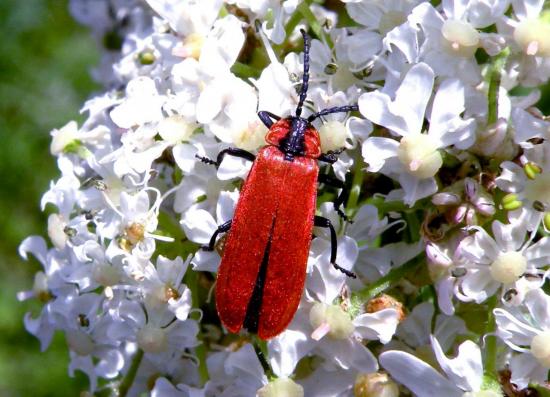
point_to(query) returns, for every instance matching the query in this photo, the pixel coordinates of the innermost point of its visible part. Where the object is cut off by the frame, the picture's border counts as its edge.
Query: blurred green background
(45, 61)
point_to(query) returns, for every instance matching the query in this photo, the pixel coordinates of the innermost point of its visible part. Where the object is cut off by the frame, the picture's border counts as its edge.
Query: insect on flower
(263, 268)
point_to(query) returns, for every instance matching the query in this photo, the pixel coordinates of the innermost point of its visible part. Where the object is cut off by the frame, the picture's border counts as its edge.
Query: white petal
(35, 245)
(222, 46)
(375, 106)
(275, 90)
(244, 363)
(527, 8)
(417, 326)
(199, 225)
(413, 95)
(184, 155)
(377, 150)
(513, 330)
(416, 375)
(479, 248)
(538, 254)
(527, 126)
(380, 325)
(466, 369)
(226, 205)
(405, 38)
(448, 104)
(415, 188)
(287, 349)
(478, 284)
(509, 237)
(538, 304)
(526, 369)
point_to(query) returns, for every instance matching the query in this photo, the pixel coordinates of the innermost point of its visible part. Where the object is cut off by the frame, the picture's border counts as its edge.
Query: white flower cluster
(448, 161)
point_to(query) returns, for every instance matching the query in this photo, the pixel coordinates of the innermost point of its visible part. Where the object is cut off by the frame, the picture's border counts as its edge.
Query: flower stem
(244, 71)
(491, 340)
(384, 283)
(494, 85)
(356, 185)
(387, 206)
(305, 10)
(192, 282)
(128, 379)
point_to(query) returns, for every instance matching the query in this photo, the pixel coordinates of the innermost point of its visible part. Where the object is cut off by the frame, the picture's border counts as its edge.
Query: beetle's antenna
(337, 109)
(305, 77)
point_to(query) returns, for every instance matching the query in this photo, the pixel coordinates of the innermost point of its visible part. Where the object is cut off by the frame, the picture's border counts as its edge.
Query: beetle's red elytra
(263, 268)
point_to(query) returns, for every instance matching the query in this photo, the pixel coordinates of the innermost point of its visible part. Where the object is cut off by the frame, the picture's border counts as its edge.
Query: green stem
(245, 71)
(413, 226)
(356, 184)
(192, 282)
(388, 206)
(491, 340)
(305, 10)
(128, 380)
(384, 283)
(293, 21)
(200, 351)
(494, 85)
(260, 347)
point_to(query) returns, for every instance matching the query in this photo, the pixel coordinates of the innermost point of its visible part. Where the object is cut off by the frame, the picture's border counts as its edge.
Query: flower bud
(40, 287)
(510, 202)
(384, 301)
(64, 138)
(331, 68)
(531, 170)
(56, 231)
(375, 385)
(146, 57)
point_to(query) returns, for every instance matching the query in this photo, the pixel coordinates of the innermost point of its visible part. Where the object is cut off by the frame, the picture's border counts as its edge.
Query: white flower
(500, 262)
(416, 158)
(143, 104)
(386, 24)
(462, 374)
(526, 330)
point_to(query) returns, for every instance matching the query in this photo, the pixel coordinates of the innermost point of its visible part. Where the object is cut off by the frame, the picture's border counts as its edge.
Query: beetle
(263, 267)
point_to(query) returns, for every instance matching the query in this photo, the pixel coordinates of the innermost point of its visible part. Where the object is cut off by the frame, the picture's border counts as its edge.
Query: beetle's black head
(293, 143)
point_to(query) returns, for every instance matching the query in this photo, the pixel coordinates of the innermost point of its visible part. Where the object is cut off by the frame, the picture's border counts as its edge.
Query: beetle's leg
(267, 118)
(337, 183)
(324, 222)
(221, 229)
(330, 157)
(233, 151)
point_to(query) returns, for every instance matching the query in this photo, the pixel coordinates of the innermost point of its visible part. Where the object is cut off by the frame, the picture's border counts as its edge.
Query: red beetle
(263, 268)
